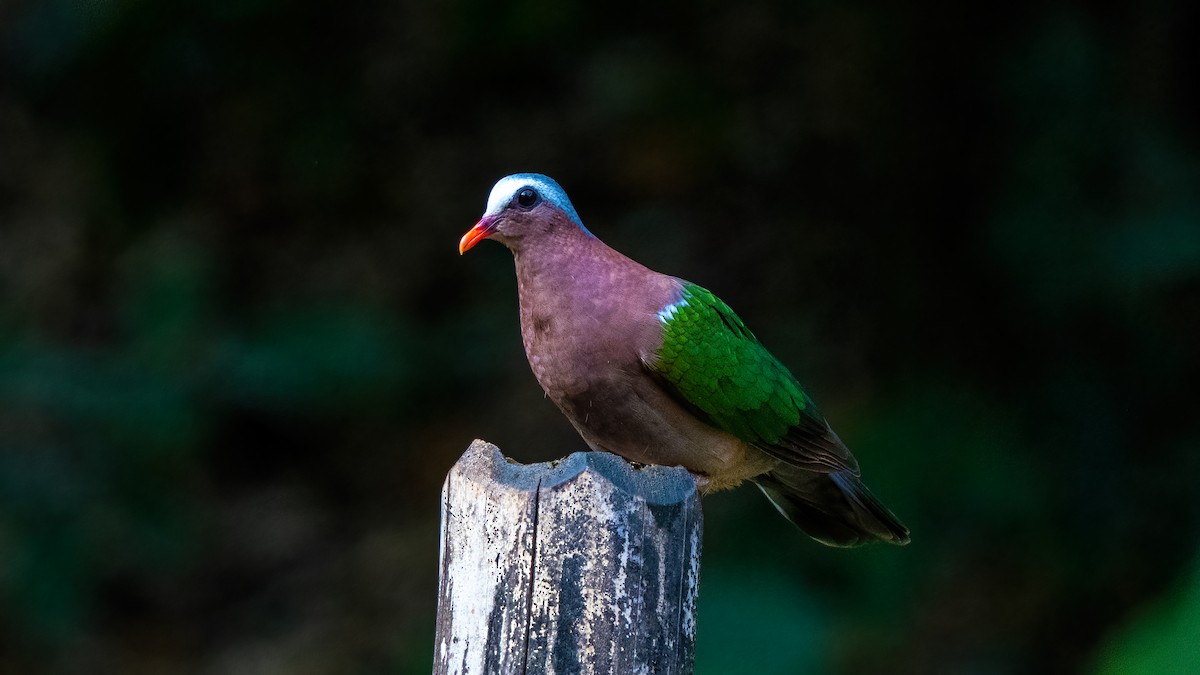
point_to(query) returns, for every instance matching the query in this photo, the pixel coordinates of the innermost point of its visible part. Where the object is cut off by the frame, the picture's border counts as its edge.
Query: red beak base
(482, 230)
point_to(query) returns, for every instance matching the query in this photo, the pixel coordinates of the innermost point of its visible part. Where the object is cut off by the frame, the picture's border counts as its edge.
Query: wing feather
(713, 365)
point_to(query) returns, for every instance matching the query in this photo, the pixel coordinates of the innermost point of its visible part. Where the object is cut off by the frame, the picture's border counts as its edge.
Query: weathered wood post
(584, 565)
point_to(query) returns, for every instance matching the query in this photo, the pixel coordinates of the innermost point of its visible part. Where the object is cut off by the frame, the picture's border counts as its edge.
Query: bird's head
(522, 205)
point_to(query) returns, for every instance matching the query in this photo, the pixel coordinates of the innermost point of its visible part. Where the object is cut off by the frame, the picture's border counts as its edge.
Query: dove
(659, 370)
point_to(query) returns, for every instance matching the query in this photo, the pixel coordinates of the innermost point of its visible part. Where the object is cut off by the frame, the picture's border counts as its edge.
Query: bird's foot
(702, 482)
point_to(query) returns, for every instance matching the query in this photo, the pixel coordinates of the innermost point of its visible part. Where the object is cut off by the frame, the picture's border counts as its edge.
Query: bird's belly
(645, 425)
(603, 389)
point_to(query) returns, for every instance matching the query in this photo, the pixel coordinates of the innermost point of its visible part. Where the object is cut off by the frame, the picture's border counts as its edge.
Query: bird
(660, 370)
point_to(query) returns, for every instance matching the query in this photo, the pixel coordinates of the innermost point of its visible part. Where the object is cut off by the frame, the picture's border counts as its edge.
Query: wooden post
(584, 565)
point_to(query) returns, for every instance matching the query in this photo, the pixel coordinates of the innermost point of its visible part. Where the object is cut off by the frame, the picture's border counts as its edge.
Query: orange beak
(482, 230)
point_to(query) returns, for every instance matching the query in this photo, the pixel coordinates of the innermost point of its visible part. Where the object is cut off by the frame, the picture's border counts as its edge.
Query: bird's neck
(566, 277)
(559, 261)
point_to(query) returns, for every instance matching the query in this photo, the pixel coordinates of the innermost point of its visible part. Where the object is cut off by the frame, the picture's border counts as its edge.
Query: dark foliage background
(239, 351)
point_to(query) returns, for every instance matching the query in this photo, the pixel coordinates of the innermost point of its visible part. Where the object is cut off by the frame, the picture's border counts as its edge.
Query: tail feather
(835, 508)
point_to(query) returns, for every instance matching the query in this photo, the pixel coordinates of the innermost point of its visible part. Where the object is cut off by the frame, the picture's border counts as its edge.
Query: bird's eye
(527, 197)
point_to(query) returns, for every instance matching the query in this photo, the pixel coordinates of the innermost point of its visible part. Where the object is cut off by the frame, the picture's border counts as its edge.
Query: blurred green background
(239, 350)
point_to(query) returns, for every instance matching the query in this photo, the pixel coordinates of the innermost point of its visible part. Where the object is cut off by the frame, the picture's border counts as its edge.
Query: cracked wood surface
(583, 565)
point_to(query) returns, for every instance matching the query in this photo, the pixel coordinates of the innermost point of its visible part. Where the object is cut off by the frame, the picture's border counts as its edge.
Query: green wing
(714, 365)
